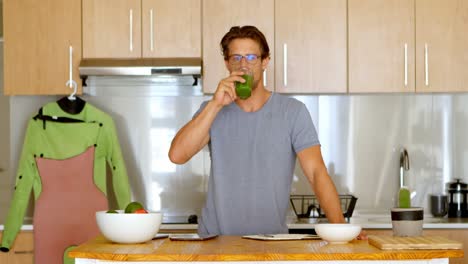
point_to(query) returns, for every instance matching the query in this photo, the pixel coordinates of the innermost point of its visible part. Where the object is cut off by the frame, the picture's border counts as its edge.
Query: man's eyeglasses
(236, 58)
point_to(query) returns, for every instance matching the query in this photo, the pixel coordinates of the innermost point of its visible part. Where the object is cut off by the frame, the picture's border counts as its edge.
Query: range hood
(143, 67)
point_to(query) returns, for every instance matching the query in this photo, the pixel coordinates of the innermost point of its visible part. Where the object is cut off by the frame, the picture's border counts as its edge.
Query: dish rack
(307, 206)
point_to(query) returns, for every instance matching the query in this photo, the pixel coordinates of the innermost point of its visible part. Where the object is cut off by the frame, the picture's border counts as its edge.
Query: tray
(307, 206)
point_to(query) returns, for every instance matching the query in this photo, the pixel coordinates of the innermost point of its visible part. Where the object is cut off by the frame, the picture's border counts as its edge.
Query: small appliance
(458, 192)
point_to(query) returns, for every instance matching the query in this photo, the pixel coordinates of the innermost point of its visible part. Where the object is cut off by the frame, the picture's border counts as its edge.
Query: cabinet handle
(265, 77)
(406, 65)
(426, 64)
(24, 252)
(131, 29)
(151, 31)
(285, 64)
(70, 65)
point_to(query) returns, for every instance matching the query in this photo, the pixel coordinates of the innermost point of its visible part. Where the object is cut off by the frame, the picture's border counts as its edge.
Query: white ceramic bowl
(337, 233)
(128, 228)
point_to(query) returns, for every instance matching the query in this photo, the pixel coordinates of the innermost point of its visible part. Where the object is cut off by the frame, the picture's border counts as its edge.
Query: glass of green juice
(244, 90)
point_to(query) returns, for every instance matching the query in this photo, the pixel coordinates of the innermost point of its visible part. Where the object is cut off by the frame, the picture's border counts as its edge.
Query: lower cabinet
(22, 251)
(460, 235)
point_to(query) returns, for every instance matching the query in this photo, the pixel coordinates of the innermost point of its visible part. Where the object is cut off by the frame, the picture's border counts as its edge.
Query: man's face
(245, 47)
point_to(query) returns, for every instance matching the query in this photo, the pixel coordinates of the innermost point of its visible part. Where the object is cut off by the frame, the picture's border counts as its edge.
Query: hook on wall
(73, 85)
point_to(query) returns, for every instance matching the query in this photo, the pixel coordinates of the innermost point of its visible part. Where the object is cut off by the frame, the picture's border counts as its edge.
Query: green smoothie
(244, 90)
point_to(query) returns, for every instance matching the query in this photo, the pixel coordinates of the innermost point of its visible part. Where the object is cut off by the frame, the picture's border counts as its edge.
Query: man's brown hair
(249, 32)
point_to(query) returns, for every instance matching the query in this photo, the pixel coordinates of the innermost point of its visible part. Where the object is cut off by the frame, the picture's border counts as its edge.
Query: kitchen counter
(383, 221)
(370, 221)
(237, 249)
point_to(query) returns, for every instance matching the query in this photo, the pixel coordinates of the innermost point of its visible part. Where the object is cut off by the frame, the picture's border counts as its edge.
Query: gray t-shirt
(252, 162)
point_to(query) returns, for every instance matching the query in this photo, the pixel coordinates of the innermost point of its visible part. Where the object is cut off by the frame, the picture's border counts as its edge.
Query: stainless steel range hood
(122, 67)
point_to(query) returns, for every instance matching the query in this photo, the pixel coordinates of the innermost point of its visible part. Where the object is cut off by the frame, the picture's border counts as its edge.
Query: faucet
(404, 165)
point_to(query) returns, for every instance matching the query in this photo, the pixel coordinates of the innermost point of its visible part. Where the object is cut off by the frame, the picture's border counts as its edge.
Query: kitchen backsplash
(361, 137)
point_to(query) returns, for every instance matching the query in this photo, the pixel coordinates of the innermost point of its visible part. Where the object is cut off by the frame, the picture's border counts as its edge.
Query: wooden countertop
(235, 248)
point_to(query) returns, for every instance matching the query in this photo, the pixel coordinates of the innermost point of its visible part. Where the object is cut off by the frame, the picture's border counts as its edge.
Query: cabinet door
(379, 31)
(37, 36)
(311, 40)
(218, 17)
(111, 28)
(22, 251)
(171, 28)
(441, 25)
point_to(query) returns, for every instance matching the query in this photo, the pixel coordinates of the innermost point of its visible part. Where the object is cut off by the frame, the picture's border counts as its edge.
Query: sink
(387, 219)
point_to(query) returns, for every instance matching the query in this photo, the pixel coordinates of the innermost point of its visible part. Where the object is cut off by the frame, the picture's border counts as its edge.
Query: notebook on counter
(281, 237)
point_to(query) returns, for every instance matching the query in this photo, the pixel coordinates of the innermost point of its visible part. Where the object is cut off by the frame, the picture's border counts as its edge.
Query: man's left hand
(362, 235)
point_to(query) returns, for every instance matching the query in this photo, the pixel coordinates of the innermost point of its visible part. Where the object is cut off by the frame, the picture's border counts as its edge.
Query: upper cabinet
(381, 46)
(218, 17)
(311, 51)
(441, 45)
(37, 40)
(171, 28)
(111, 28)
(307, 45)
(141, 28)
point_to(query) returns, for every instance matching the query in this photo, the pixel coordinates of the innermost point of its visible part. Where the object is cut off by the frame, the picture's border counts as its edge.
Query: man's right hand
(226, 92)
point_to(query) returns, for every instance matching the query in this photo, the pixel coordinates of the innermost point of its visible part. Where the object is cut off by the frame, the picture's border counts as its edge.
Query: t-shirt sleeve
(303, 134)
(202, 106)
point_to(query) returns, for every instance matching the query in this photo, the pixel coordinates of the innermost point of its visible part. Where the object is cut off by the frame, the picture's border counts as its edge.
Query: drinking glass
(439, 205)
(244, 90)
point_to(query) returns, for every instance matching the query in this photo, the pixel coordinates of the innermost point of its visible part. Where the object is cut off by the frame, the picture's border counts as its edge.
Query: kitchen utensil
(439, 205)
(128, 228)
(458, 192)
(337, 233)
(420, 242)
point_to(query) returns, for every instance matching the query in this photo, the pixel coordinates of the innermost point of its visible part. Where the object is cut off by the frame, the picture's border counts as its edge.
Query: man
(253, 145)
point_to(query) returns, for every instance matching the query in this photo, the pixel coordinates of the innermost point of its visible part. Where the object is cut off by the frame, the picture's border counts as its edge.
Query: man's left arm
(314, 169)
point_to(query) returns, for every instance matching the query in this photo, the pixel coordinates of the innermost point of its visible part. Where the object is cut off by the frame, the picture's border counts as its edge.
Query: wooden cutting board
(421, 242)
